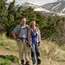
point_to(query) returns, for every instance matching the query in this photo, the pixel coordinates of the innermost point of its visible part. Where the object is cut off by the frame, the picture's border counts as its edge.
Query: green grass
(5, 61)
(8, 59)
(7, 43)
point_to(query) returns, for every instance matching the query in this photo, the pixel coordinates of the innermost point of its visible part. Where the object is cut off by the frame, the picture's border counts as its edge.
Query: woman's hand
(38, 43)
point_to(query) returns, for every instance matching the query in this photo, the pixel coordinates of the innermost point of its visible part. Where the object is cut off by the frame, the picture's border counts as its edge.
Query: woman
(35, 39)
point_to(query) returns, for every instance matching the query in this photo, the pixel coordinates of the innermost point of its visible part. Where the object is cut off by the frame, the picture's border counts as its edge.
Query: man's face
(23, 21)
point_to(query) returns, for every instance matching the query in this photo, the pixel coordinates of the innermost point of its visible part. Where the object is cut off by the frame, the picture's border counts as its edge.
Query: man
(20, 33)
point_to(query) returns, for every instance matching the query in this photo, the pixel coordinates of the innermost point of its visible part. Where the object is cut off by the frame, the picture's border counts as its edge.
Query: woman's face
(33, 23)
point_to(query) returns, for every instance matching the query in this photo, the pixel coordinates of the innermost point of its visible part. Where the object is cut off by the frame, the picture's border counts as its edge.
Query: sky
(37, 2)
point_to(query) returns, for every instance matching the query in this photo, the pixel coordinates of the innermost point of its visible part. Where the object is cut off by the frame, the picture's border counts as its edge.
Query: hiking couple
(28, 39)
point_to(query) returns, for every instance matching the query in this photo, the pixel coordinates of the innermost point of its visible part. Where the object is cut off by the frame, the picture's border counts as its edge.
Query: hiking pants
(24, 50)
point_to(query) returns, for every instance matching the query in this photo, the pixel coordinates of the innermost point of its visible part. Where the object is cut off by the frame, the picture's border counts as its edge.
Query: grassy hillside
(51, 53)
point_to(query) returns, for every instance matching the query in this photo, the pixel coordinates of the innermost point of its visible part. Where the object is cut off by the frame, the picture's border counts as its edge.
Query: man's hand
(28, 44)
(14, 36)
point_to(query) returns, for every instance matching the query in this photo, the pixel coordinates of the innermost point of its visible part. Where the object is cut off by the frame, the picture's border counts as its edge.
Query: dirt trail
(6, 52)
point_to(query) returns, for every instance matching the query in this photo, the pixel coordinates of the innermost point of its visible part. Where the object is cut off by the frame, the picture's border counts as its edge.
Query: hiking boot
(27, 63)
(34, 64)
(39, 61)
(22, 62)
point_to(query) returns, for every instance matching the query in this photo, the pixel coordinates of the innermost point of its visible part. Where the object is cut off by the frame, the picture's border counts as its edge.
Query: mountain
(35, 7)
(58, 7)
(27, 4)
(55, 8)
